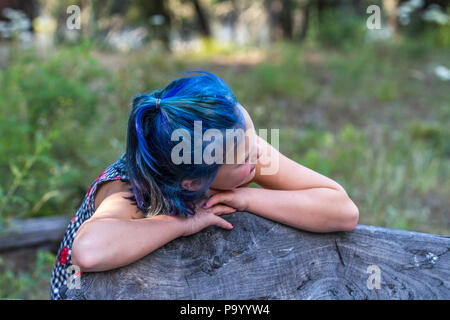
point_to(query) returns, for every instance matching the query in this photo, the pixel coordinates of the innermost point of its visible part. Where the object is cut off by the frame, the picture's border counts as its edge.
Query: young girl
(147, 198)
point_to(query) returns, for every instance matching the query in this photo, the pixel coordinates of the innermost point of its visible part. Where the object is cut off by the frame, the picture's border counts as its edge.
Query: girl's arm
(293, 195)
(112, 237)
(316, 209)
(302, 197)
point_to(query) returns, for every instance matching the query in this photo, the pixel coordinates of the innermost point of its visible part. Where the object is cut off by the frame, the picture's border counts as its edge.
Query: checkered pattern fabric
(115, 171)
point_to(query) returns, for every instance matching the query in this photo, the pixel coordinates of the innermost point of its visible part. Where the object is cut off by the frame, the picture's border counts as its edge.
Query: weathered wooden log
(33, 232)
(261, 259)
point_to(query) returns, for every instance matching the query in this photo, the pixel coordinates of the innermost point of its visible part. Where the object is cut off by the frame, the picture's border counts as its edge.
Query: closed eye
(241, 164)
(246, 159)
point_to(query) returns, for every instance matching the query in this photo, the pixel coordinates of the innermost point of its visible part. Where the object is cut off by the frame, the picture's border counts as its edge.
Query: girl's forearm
(316, 209)
(108, 243)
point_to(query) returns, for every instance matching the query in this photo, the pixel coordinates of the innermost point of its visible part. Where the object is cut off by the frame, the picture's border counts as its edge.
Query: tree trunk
(262, 259)
(286, 19)
(202, 18)
(390, 8)
(304, 22)
(281, 18)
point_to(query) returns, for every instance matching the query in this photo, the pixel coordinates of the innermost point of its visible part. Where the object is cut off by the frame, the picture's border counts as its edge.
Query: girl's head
(160, 123)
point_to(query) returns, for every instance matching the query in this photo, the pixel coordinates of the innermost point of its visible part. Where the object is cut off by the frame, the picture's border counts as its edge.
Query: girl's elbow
(85, 263)
(83, 255)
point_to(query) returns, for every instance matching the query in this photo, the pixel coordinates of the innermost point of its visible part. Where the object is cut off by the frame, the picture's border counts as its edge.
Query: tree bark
(262, 259)
(202, 18)
(303, 28)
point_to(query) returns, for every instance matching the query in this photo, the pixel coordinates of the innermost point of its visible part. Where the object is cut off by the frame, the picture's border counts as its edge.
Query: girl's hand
(205, 217)
(237, 198)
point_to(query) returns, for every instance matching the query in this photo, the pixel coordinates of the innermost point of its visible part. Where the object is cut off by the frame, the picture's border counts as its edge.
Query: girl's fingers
(213, 191)
(222, 197)
(220, 222)
(221, 209)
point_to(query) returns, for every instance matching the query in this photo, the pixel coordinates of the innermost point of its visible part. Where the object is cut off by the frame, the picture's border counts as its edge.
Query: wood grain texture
(261, 259)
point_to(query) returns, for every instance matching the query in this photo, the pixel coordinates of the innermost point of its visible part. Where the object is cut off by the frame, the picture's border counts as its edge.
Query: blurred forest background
(368, 107)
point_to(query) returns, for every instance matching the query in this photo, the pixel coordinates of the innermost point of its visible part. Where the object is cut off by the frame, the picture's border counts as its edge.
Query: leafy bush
(32, 283)
(340, 28)
(46, 108)
(388, 174)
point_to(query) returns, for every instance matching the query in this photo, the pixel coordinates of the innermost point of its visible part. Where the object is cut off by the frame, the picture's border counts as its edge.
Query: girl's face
(233, 175)
(237, 173)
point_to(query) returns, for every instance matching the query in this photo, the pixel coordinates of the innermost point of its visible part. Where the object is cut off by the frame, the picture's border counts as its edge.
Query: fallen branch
(261, 259)
(33, 232)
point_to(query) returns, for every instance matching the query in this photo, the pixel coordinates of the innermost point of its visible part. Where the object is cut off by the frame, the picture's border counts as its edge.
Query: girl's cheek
(245, 170)
(239, 176)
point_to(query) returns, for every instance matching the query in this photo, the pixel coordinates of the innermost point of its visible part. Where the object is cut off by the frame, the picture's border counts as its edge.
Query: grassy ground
(374, 117)
(25, 274)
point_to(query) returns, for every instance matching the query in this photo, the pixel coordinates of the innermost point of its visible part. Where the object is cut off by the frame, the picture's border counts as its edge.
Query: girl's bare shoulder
(109, 201)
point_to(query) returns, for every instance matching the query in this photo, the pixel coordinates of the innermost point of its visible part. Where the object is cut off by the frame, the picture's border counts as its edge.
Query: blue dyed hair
(155, 179)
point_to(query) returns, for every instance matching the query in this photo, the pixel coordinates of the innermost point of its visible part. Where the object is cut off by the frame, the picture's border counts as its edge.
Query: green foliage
(339, 28)
(46, 106)
(433, 134)
(31, 283)
(442, 36)
(386, 173)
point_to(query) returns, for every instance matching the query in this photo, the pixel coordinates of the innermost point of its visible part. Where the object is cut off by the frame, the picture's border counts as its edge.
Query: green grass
(27, 282)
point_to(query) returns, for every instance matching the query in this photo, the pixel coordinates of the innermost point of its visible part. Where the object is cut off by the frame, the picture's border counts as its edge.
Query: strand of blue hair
(154, 178)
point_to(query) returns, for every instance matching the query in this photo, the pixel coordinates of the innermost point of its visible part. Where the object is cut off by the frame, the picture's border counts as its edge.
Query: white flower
(442, 73)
